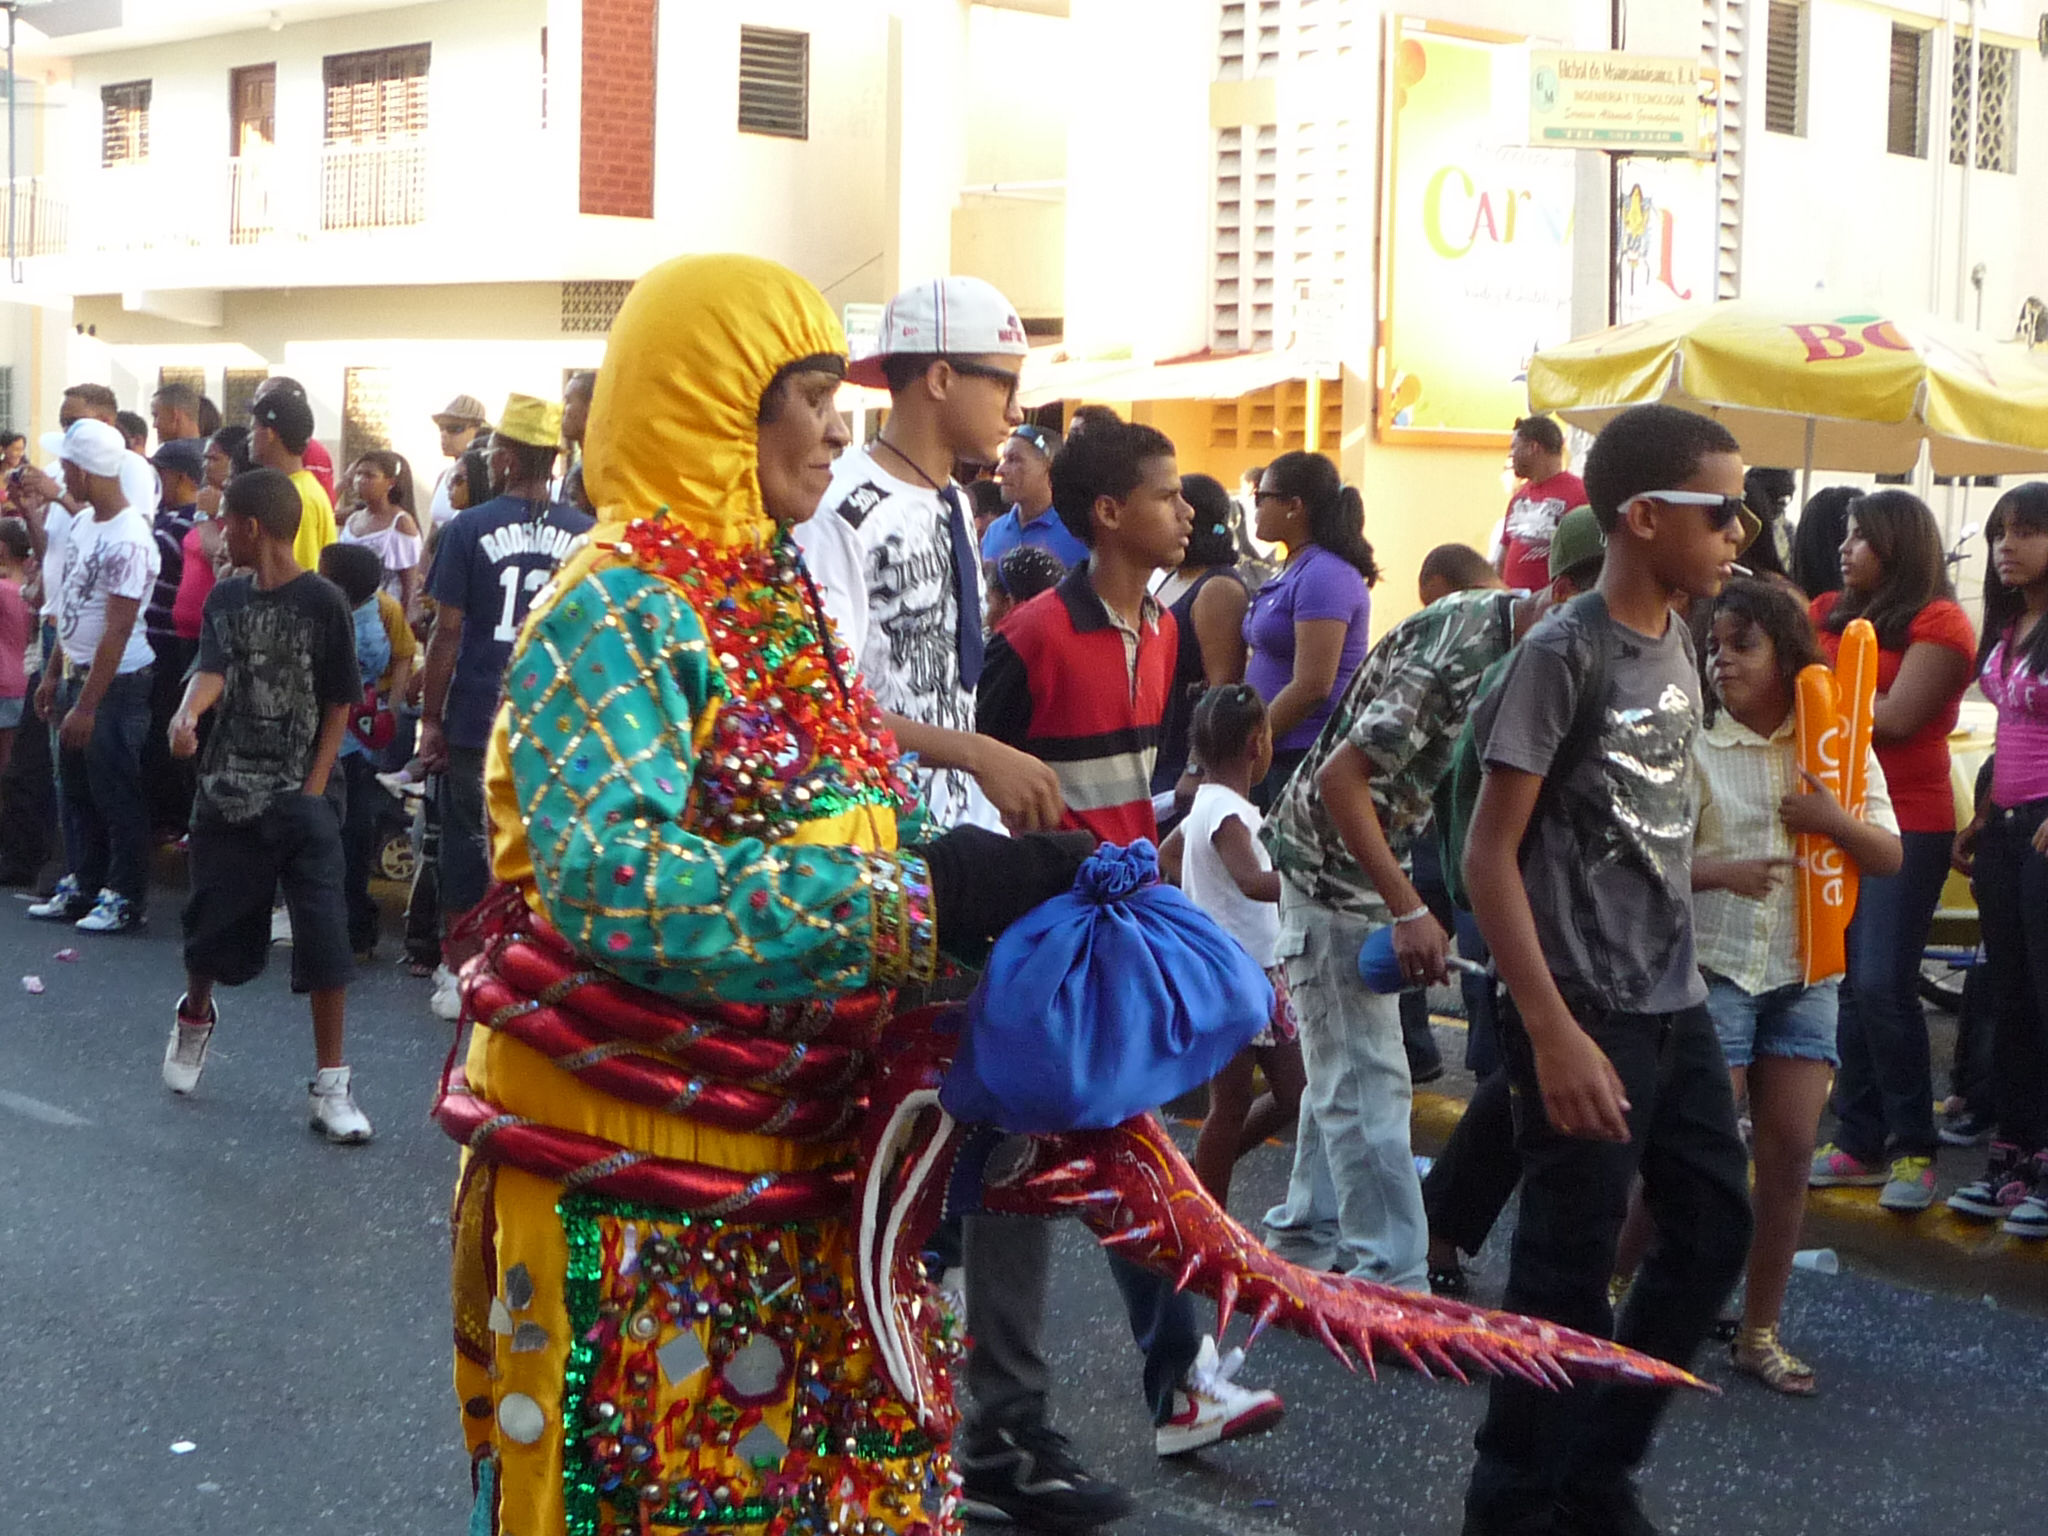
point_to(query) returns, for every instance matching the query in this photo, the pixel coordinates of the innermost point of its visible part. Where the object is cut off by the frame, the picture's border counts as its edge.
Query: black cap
(182, 456)
(285, 411)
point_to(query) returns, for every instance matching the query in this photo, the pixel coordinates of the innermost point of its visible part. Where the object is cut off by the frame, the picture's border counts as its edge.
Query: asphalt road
(208, 1273)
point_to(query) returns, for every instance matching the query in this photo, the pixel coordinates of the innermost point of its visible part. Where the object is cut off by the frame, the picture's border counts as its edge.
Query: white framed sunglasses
(1726, 511)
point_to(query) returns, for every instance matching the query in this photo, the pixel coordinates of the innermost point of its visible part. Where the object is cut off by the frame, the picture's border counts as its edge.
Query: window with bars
(1906, 103)
(365, 411)
(1785, 69)
(6, 398)
(374, 160)
(1996, 97)
(238, 388)
(124, 123)
(775, 82)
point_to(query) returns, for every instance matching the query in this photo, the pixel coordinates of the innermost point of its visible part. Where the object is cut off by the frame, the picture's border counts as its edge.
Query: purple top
(1314, 585)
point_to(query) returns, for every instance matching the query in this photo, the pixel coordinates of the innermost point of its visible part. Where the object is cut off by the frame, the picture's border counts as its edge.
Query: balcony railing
(38, 215)
(373, 186)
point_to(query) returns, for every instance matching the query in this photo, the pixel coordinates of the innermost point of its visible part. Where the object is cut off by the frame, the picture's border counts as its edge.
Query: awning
(1201, 378)
(1123, 380)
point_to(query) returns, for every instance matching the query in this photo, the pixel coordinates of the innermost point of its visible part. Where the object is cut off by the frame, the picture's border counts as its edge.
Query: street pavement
(209, 1273)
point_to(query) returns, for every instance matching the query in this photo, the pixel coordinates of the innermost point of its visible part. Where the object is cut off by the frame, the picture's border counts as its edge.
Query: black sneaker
(1029, 1476)
(1603, 1509)
(2007, 1174)
(1967, 1128)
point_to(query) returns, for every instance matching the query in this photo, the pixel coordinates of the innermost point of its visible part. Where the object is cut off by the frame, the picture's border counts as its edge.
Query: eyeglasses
(1002, 376)
(1723, 511)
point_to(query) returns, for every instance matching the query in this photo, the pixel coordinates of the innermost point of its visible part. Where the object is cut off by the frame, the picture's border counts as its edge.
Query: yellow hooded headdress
(673, 421)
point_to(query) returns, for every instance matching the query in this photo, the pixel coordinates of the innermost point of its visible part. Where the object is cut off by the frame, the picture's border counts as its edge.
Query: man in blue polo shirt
(1024, 471)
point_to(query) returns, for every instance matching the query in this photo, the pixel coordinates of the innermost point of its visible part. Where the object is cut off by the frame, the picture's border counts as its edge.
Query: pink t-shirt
(14, 623)
(195, 580)
(2019, 773)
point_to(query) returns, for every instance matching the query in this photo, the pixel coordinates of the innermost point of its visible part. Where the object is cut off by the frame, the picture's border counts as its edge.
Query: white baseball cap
(946, 317)
(91, 444)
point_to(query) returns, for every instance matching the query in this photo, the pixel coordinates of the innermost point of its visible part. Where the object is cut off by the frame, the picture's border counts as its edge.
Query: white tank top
(1254, 924)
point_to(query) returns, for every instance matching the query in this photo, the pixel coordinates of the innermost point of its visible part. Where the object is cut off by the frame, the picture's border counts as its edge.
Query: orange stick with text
(1824, 892)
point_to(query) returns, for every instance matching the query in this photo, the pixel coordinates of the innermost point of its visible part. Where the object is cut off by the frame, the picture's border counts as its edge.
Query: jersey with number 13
(492, 561)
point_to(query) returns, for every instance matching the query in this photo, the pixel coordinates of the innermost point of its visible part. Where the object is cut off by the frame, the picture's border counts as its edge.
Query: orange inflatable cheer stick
(1824, 891)
(1856, 697)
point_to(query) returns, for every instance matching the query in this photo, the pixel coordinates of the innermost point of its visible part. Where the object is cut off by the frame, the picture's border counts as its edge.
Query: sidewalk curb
(1934, 1250)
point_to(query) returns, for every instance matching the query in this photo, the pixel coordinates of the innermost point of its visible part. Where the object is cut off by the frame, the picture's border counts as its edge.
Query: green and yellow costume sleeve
(613, 686)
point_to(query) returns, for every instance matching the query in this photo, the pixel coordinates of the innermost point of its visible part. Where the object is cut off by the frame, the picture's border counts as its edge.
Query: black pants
(28, 798)
(2012, 906)
(168, 781)
(366, 801)
(1471, 1183)
(1535, 1443)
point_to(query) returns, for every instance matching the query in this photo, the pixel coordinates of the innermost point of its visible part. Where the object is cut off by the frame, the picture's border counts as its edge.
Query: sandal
(1449, 1280)
(1757, 1352)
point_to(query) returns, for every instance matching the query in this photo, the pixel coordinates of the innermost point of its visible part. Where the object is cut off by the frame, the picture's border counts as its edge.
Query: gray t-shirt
(1608, 858)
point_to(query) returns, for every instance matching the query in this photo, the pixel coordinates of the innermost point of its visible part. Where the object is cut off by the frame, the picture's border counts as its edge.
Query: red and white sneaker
(1208, 1407)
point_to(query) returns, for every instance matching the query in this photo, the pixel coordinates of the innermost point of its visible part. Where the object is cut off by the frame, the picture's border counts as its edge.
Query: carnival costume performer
(669, 1312)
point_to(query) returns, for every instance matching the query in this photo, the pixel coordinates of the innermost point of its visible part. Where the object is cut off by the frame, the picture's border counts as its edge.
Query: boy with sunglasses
(893, 547)
(1582, 885)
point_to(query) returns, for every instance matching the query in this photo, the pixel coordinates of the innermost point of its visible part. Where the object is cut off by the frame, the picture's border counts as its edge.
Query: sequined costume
(700, 1147)
(654, 1317)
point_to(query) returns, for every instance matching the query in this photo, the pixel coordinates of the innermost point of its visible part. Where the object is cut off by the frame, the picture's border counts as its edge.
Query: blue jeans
(1884, 1097)
(1793, 1023)
(1354, 1199)
(100, 801)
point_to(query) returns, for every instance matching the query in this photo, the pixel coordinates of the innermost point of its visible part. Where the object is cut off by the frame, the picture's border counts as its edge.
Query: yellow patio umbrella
(1827, 387)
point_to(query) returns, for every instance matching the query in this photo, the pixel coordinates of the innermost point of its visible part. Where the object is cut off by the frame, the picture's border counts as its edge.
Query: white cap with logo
(946, 317)
(91, 444)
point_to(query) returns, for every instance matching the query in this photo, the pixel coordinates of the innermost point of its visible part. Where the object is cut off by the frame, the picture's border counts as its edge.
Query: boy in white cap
(894, 548)
(96, 690)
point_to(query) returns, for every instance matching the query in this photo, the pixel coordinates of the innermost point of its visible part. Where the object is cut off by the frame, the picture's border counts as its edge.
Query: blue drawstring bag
(1104, 1003)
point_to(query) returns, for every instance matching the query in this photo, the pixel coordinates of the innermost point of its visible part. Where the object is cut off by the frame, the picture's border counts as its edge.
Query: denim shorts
(1796, 1023)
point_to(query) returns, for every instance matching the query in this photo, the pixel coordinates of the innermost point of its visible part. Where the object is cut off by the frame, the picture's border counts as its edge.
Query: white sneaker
(331, 1109)
(280, 925)
(66, 904)
(112, 913)
(185, 1051)
(1209, 1408)
(446, 1001)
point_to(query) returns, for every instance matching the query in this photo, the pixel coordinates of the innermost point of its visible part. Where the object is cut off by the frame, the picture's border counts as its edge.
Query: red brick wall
(617, 159)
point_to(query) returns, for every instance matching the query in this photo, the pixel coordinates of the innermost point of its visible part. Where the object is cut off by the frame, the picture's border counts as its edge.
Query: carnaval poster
(1476, 270)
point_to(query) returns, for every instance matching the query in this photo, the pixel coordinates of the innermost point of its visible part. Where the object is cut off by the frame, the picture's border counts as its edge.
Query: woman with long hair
(1207, 599)
(1894, 574)
(386, 521)
(1817, 540)
(2005, 848)
(1307, 626)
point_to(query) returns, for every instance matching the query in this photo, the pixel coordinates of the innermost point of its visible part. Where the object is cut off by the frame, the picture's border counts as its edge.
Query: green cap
(1577, 540)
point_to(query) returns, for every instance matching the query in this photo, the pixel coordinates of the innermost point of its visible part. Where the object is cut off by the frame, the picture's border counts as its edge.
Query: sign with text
(1617, 101)
(1477, 272)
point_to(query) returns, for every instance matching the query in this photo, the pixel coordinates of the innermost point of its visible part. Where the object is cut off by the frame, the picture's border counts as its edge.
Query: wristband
(1410, 917)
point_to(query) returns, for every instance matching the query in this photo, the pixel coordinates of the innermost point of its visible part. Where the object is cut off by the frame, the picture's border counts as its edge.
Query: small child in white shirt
(1226, 873)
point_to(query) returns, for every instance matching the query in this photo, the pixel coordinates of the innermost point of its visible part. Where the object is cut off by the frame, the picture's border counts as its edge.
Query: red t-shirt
(1916, 770)
(1533, 513)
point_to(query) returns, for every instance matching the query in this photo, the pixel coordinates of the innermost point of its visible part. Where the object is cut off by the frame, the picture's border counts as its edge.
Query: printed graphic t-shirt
(1533, 515)
(491, 562)
(286, 656)
(104, 559)
(1608, 860)
(910, 651)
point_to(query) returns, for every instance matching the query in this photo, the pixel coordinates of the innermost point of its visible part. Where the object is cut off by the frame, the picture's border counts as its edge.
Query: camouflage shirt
(1403, 710)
